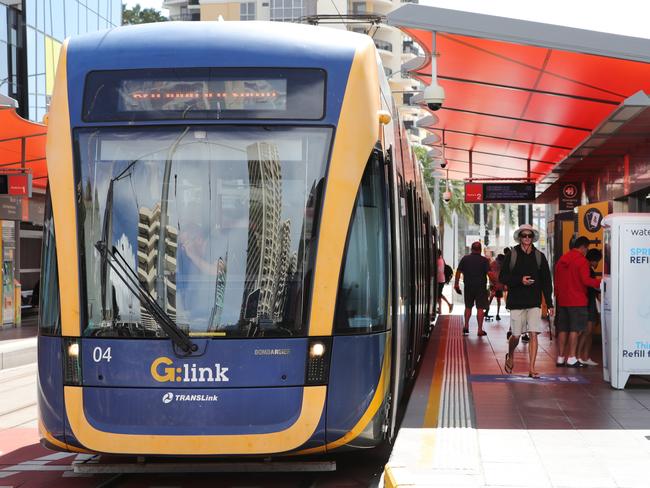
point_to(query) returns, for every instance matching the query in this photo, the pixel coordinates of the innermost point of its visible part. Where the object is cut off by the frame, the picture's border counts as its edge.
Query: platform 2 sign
(499, 192)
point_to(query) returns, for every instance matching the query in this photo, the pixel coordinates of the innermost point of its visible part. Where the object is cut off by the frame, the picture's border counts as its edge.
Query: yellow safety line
(435, 391)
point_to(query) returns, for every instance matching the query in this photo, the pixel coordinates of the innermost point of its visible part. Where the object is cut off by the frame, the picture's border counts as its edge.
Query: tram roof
(516, 90)
(194, 44)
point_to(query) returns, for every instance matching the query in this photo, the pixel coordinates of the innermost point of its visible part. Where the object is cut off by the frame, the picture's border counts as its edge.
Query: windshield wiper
(130, 279)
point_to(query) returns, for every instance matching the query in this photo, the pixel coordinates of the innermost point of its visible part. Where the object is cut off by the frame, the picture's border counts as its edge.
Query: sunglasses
(526, 236)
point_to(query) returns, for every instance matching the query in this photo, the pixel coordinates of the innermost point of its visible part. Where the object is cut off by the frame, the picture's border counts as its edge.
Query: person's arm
(547, 282)
(585, 275)
(458, 272)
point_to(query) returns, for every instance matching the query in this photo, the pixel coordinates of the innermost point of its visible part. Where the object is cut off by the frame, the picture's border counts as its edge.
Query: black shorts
(440, 287)
(497, 293)
(571, 319)
(476, 294)
(592, 312)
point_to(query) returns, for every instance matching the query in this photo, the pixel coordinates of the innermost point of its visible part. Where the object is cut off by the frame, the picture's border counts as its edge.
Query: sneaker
(560, 362)
(497, 317)
(576, 364)
(465, 331)
(589, 362)
(525, 338)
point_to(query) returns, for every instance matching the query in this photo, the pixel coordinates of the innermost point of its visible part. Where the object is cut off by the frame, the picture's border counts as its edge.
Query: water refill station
(625, 312)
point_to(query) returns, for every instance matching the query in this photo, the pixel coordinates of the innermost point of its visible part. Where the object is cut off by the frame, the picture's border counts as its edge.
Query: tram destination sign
(499, 192)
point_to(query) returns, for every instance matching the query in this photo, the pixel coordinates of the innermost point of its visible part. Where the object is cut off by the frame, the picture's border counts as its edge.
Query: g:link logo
(188, 373)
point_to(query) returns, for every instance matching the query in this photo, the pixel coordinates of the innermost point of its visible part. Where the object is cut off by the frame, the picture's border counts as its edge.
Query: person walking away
(444, 275)
(474, 268)
(572, 280)
(526, 273)
(593, 296)
(496, 287)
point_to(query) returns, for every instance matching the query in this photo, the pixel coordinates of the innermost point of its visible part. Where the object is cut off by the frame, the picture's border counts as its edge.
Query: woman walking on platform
(445, 273)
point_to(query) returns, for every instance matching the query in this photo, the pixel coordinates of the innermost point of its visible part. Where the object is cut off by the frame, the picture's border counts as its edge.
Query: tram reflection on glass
(239, 250)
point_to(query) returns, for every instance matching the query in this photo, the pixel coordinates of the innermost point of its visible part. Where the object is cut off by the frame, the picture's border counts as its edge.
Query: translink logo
(164, 370)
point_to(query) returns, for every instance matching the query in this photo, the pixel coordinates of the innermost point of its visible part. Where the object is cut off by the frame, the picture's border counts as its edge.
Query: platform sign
(509, 192)
(17, 185)
(569, 196)
(499, 192)
(473, 192)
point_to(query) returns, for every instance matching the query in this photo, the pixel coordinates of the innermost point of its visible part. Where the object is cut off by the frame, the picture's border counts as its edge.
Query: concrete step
(18, 352)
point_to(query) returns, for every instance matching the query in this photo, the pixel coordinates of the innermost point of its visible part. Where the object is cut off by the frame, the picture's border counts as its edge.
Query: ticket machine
(625, 311)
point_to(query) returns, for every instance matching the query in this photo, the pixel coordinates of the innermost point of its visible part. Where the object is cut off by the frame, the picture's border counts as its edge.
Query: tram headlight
(71, 361)
(318, 361)
(316, 350)
(73, 349)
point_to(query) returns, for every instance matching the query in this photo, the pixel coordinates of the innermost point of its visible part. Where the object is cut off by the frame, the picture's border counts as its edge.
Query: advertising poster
(634, 306)
(590, 225)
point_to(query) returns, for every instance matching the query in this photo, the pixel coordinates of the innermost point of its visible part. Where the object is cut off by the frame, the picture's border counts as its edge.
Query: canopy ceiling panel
(556, 110)
(485, 144)
(595, 76)
(519, 99)
(483, 98)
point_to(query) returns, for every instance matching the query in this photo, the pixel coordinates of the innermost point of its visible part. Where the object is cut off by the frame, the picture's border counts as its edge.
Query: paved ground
(568, 429)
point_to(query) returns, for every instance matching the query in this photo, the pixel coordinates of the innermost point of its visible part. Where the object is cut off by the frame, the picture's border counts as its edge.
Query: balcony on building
(384, 46)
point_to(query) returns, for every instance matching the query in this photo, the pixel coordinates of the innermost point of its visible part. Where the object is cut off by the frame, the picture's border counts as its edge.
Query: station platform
(470, 424)
(18, 344)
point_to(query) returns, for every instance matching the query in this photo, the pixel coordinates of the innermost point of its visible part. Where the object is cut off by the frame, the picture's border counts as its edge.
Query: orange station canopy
(523, 96)
(22, 144)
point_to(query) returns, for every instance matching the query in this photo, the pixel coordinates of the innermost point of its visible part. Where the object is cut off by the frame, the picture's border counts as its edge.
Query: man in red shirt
(572, 279)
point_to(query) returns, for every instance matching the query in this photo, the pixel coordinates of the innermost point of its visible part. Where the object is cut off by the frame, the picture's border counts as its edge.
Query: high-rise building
(219, 294)
(148, 238)
(284, 271)
(264, 231)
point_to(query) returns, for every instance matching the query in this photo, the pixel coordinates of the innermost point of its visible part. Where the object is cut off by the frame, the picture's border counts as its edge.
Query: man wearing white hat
(526, 273)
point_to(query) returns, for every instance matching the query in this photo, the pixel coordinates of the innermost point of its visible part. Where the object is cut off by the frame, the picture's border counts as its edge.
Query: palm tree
(457, 203)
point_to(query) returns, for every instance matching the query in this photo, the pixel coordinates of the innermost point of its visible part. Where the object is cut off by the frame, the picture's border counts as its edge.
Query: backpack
(513, 259)
(449, 273)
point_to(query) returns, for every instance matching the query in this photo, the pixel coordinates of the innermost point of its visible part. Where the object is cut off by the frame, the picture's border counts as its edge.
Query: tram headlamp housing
(71, 361)
(319, 352)
(317, 349)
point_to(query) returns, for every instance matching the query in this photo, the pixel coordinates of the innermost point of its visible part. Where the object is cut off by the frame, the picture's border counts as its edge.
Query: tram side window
(362, 297)
(49, 306)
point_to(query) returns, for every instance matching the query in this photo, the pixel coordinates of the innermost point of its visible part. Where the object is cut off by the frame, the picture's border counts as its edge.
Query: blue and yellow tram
(239, 249)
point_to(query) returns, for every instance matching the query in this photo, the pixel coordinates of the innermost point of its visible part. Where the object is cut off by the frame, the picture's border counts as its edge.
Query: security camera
(443, 163)
(434, 96)
(446, 196)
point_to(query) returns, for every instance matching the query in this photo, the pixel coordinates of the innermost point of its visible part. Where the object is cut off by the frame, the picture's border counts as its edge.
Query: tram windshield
(216, 222)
